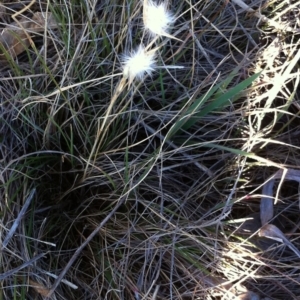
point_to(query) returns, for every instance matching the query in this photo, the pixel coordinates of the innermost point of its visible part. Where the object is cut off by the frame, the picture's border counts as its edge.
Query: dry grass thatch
(123, 183)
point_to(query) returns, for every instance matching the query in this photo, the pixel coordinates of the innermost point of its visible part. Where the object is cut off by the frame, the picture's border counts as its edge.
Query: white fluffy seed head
(138, 63)
(157, 19)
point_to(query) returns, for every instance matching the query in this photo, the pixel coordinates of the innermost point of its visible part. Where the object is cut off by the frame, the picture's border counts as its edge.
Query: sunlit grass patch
(145, 145)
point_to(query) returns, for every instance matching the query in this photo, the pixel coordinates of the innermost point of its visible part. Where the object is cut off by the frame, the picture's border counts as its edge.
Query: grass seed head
(138, 63)
(157, 18)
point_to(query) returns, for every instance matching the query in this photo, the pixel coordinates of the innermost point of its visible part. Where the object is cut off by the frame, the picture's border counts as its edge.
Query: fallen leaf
(15, 39)
(39, 288)
(248, 296)
(272, 232)
(267, 202)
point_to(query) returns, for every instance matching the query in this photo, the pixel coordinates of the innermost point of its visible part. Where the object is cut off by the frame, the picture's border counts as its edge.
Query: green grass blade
(220, 101)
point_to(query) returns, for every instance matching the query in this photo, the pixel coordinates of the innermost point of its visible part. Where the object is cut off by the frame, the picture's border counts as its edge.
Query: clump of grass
(143, 173)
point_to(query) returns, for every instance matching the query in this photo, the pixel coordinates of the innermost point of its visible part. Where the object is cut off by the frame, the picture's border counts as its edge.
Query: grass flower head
(157, 18)
(138, 63)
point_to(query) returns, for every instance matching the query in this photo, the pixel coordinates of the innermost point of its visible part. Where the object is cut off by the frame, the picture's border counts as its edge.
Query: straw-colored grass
(124, 183)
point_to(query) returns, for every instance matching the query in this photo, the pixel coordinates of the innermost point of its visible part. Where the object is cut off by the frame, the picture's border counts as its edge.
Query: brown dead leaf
(272, 232)
(248, 296)
(15, 39)
(39, 288)
(267, 202)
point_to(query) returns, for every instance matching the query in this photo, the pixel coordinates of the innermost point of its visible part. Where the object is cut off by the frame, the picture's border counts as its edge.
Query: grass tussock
(134, 152)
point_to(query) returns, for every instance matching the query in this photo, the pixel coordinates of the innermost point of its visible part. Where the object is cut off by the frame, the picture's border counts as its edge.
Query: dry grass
(150, 205)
